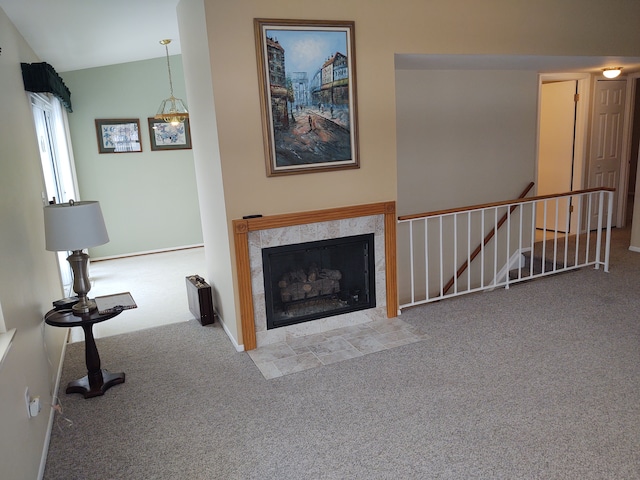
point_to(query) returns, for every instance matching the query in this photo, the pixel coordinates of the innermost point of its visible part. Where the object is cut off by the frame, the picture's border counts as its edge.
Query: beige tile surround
(294, 348)
(309, 226)
(307, 233)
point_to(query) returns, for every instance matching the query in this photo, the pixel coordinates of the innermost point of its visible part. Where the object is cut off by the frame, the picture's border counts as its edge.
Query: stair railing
(560, 232)
(486, 240)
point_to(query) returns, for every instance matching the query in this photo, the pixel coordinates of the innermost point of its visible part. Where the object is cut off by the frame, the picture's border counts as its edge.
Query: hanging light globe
(172, 110)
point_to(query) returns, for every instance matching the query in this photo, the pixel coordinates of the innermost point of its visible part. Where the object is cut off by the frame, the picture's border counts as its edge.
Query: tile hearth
(302, 353)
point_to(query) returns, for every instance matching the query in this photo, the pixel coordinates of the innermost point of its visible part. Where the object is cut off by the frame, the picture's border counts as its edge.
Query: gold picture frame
(307, 79)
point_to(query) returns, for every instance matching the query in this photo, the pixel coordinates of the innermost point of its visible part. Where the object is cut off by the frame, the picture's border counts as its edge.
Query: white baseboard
(634, 249)
(147, 252)
(238, 347)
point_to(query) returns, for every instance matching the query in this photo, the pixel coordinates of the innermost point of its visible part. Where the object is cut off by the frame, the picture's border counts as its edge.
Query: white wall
(465, 137)
(28, 273)
(196, 58)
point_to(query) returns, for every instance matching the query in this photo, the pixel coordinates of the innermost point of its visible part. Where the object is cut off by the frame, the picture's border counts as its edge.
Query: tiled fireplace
(253, 236)
(309, 281)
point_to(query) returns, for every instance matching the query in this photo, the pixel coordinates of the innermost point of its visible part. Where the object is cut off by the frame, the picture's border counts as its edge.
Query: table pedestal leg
(83, 385)
(97, 381)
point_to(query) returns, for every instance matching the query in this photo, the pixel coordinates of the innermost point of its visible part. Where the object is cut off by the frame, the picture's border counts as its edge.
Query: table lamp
(73, 227)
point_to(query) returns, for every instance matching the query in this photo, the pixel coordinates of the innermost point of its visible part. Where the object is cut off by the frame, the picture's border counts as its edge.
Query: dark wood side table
(97, 381)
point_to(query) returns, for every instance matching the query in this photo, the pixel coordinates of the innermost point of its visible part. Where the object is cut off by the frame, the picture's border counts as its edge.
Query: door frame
(623, 188)
(581, 129)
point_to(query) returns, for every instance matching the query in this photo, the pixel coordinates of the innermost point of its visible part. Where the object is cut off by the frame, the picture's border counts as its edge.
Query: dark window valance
(41, 77)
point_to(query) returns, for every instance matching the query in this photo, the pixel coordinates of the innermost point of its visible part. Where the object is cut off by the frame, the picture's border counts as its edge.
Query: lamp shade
(74, 226)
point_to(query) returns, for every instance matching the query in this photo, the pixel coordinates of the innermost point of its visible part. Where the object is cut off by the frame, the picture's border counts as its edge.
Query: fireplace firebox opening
(312, 280)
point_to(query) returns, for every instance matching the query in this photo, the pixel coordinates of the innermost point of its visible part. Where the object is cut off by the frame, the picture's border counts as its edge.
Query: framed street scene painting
(165, 136)
(307, 77)
(118, 135)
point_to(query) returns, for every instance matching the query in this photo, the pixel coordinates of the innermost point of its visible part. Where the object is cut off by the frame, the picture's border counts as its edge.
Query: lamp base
(81, 284)
(84, 306)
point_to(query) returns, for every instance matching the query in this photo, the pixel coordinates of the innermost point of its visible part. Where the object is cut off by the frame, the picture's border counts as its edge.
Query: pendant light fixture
(172, 110)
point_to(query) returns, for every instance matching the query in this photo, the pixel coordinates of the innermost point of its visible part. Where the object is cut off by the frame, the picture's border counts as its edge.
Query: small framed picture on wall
(121, 135)
(165, 136)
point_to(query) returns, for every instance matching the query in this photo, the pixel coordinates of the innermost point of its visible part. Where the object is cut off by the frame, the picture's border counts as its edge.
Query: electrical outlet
(33, 404)
(34, 407)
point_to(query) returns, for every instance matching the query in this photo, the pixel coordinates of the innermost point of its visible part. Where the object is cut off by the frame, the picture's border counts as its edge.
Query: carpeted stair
(540, 265)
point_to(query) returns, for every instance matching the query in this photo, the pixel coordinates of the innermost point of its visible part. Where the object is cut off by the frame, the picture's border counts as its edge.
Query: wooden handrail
(513, 205)
(486, 240)
(500, 204)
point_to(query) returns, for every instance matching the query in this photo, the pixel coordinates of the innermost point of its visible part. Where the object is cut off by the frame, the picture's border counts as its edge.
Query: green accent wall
(149, 198)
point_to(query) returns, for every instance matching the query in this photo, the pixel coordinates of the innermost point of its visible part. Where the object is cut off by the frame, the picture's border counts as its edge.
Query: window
(57, 164)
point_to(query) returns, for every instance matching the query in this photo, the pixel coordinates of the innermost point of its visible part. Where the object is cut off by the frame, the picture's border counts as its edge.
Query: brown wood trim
(500, 204)
(241, 229)
(243, 267)
(391, 269)
(316, 216)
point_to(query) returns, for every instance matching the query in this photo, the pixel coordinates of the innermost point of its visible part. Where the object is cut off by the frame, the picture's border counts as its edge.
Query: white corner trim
(634, 249)
(239, 348)
(5, 343)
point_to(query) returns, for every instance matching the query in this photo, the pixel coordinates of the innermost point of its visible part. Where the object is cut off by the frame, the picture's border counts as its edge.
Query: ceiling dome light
(612, 72)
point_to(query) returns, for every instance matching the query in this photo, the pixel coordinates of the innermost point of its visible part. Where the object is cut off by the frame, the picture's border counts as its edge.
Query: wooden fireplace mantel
(241, 229)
